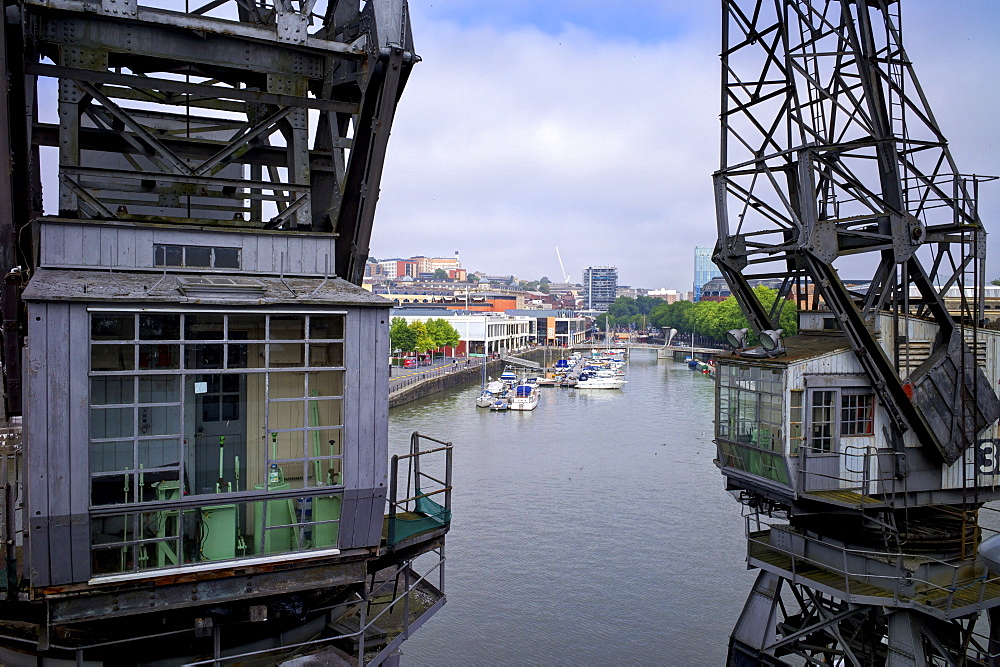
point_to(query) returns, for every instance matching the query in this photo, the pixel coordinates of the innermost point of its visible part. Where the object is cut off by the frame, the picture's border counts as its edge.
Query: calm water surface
(592, 530)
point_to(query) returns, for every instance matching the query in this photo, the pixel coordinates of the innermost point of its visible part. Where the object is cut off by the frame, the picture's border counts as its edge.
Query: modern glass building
(600, 285)
(704, 269)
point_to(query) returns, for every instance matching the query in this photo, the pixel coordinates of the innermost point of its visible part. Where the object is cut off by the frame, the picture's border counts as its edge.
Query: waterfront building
(485, 333)
(704, 269)
(403, 295)
(398, 268)
(716, 289)
(953, 301)
(600, 285)
(556, 327)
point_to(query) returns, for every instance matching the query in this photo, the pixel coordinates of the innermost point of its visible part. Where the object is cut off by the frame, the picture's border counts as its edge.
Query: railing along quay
(431, 373)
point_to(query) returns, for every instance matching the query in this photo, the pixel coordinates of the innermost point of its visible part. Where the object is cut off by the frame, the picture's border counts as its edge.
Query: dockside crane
(863, 448)
(194, 460)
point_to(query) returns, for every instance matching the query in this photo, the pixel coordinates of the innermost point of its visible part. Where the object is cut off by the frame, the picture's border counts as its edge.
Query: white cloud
(508, 143)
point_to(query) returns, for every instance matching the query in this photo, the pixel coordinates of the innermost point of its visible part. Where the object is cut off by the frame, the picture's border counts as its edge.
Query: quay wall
(465, 376)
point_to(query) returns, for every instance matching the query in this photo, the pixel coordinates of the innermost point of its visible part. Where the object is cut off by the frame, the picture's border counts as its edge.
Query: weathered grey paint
(366, 429)
(56, 447)
(57, 451)
(352, 386)
(128, 246)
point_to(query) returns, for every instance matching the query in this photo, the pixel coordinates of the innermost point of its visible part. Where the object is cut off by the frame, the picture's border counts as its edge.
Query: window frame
(164, 248)
(137, 513)
(840, 387)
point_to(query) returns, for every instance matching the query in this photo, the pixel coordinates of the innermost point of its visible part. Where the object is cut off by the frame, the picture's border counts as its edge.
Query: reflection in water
(593, 529)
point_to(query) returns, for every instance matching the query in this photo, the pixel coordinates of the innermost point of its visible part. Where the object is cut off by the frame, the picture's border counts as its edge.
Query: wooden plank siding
(380, 420)
(79, 439)
(352, 448)
(58, 429)
(105, 245)
(36, 446)
(369, 507)
(56, 446)
(366, 428)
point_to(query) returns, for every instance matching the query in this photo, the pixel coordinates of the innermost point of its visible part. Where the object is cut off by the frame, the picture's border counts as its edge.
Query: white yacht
(605, 379)
(491, 393)
(524, 397)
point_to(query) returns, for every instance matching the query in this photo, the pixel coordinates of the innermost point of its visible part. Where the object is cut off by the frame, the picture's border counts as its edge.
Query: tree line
(422, 336)
(711, 319)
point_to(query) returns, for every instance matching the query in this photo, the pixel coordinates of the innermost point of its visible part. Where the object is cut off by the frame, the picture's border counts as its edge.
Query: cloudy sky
(593, 126)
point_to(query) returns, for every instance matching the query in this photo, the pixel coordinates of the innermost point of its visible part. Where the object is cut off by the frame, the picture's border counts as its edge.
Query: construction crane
(862, 448)
(562, 268)
(180, 486)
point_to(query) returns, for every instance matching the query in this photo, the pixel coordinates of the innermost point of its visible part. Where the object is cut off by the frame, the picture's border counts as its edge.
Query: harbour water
(592, 530)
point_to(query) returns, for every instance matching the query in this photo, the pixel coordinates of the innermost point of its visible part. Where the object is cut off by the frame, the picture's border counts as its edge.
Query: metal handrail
(414, 476)
(901, 573)
(851, 452)
(429, 374)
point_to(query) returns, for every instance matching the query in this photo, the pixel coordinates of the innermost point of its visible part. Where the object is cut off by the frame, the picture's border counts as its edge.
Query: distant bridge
(631, 346)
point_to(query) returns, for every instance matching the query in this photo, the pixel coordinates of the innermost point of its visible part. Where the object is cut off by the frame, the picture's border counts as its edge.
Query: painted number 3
(987, 457)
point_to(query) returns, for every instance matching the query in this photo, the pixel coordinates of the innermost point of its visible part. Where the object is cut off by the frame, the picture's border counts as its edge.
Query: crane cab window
(839, 413)
(202, 412)
(209, 257)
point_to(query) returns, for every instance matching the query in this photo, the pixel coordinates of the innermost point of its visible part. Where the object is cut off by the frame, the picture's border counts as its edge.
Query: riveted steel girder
(832, 163)
(266, 114)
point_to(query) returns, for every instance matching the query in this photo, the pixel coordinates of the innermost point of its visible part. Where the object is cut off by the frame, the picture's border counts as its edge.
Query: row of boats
(705, 367)
(602, 370)
(509, 393)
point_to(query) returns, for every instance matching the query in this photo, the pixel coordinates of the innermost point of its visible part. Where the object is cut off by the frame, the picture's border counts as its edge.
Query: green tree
(440, 274)
(715, 318)
(672, 315)
(646, 304)
(544, 288)
(996, 281)
(788, 320)
(447, 335)
(622, 308)
(422, 337)
(442, 333)
(472, 278)
(401, 336)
